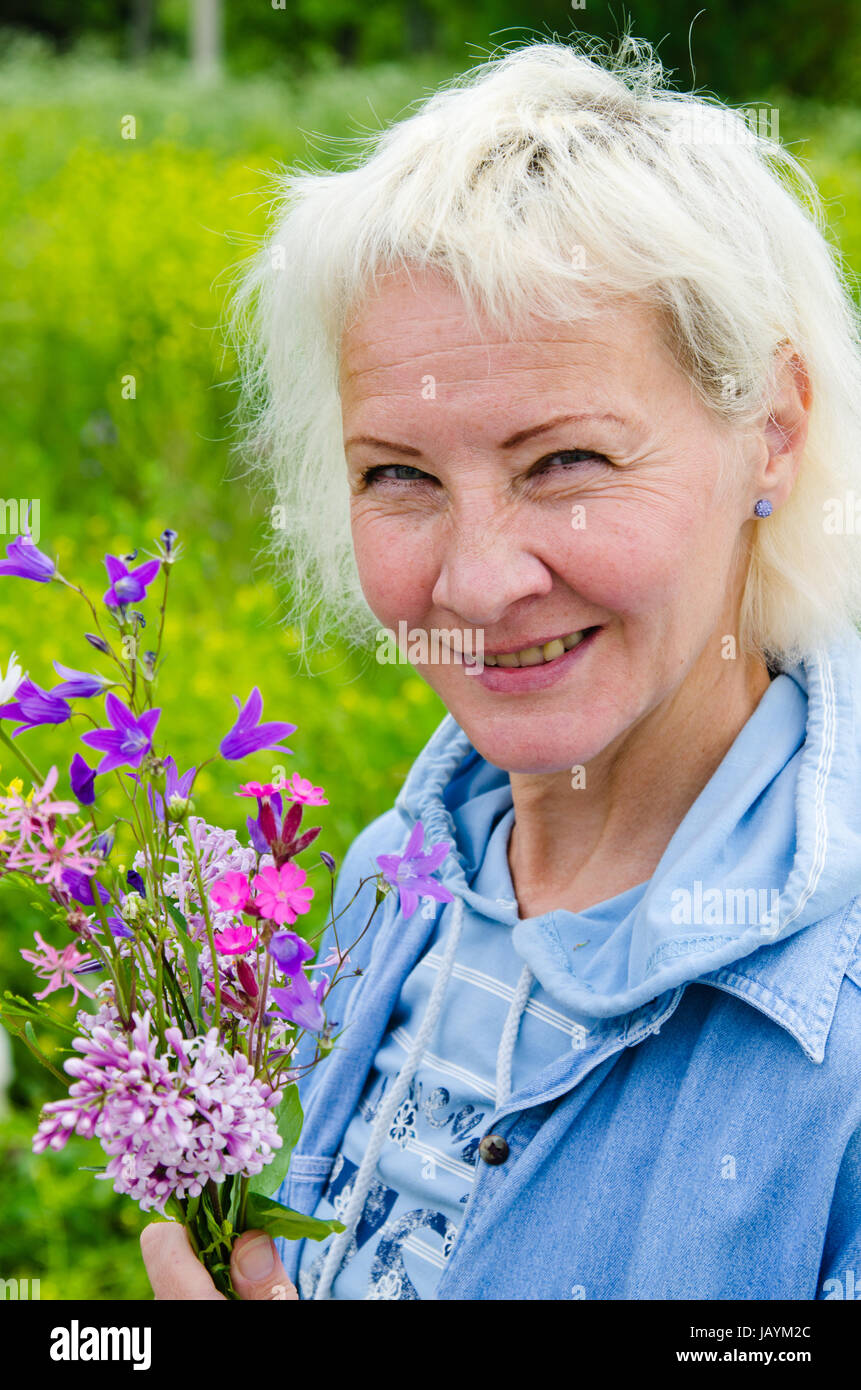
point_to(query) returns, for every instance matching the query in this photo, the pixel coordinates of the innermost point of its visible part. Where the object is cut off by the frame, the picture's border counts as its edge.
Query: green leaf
(265, 1215)
(23, 1008)
(190, 950)
(28, 1038)
(289, 1116)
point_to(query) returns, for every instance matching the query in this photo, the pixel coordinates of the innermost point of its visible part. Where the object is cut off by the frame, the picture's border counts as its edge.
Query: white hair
(548, 181)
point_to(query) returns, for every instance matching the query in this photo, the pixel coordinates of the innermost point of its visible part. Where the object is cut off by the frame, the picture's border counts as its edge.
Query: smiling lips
(537, 656)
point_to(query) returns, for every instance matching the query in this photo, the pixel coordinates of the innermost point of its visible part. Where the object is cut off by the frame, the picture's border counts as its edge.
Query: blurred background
(117, 242)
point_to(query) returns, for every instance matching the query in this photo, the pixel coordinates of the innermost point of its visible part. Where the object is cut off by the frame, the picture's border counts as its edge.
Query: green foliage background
(113, 256)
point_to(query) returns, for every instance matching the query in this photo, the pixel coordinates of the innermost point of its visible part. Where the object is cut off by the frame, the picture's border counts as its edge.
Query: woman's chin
(524, 751)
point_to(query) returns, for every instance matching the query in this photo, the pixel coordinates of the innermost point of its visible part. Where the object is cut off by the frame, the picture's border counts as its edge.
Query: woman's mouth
(538, 656)
(533, 668)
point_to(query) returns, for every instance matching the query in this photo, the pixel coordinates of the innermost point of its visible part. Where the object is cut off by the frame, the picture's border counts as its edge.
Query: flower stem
(210, 934)
(34, 772)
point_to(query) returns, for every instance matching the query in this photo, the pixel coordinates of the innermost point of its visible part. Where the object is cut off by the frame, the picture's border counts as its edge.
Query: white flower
(388, 1286)
(131, 907)
(341, 1201)
(10, 682)
(403, 1125)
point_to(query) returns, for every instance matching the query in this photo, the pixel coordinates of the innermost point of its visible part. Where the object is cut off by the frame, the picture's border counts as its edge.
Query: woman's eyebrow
(522, 435)
(519, 438)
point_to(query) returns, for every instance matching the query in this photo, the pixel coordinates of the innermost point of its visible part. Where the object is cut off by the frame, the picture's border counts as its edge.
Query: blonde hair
(548, 181)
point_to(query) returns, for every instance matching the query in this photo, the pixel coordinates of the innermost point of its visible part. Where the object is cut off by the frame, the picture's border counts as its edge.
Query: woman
(590, 374)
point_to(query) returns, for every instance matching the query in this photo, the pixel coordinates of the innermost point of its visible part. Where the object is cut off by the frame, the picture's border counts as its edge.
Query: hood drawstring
(392, 1098)
(509, 1035)
(387, 1109)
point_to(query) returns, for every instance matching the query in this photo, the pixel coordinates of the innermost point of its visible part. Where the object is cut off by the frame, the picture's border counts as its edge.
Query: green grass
(115, 255)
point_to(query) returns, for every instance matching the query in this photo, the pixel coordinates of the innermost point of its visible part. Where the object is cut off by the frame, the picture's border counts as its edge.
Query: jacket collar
(795, 980)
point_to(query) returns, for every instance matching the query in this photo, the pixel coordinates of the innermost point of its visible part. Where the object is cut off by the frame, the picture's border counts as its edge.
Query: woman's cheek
(631, 569)
(393, 571)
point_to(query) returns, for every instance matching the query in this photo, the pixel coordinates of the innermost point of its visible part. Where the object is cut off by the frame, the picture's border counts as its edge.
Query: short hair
(548, 181)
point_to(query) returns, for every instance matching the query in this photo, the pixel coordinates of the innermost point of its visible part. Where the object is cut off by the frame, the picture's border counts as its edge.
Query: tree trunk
(205, 37)
(140, 29)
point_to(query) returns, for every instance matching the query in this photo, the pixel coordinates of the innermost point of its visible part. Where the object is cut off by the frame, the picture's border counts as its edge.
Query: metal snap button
(493, 1148)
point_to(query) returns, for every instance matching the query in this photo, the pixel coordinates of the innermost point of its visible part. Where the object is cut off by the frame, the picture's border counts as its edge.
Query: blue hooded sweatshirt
(700, 1136)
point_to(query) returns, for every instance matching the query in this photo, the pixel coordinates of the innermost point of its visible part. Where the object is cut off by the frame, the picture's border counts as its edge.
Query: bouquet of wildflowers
(185, 1070)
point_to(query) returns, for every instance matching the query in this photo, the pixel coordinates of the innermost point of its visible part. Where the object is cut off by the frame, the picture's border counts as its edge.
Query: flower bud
(131, 908)
(98, 642)
(179, 807)
(103, 844)
(158, 775)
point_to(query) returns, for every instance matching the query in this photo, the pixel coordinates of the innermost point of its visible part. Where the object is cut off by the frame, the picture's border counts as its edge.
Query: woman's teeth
(537, 656)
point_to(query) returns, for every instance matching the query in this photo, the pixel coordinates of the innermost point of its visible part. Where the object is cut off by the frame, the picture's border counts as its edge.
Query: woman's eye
(406, 473)
(403, 473)
(571, 456)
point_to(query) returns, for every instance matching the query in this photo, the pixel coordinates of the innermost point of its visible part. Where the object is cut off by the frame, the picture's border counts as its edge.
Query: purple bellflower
(302, 1002)
(174, 785)
(83, 778)
(78, 683)
(128, 741)
(128, 586)
(26, 562)
(410, 872)
(289, 951)
(119, 928)
(33, 706)
(103, 844)
(248, 735)
(135, 882)
(80, 887)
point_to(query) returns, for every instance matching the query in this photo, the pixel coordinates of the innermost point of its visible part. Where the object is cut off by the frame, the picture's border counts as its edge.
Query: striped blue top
(426, 1169)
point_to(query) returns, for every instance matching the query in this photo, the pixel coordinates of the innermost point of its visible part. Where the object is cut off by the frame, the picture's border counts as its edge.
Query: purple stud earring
(763, 507)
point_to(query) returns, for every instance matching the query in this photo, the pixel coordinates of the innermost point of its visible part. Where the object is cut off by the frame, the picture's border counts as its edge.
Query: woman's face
(533, 490)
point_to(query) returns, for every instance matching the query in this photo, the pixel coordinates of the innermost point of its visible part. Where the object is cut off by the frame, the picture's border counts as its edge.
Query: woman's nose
(484, 567)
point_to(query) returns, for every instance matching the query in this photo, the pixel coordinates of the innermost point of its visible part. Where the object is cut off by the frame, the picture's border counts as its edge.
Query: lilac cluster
(167, 1131)
(219, 852)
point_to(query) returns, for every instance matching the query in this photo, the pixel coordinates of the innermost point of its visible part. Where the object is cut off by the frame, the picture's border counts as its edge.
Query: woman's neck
(571, 848)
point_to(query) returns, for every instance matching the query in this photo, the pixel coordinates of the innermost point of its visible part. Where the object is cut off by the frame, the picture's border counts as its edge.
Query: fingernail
(257, 1258)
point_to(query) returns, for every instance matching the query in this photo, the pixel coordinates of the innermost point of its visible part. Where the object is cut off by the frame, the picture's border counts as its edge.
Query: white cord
(508, 1039)
(387, 1109)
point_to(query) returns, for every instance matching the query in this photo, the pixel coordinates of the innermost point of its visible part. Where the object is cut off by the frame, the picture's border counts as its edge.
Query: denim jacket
(703, 1141)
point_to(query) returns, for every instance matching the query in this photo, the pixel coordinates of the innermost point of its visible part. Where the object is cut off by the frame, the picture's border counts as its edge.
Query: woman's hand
(175, 1272)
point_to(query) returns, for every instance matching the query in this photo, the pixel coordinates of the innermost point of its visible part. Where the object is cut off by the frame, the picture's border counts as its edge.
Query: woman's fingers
(174, 1270)
(256, 1270)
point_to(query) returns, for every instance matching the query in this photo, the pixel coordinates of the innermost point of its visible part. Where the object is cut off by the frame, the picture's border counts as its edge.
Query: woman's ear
(785, 430)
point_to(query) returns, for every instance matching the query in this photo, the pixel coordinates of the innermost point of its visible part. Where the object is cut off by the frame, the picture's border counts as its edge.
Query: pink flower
(235, 941)
(57, 968)
(280, 893)
(260, 789)
(300, 789)
(231, 892)
(22, 816)
(48, 860)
